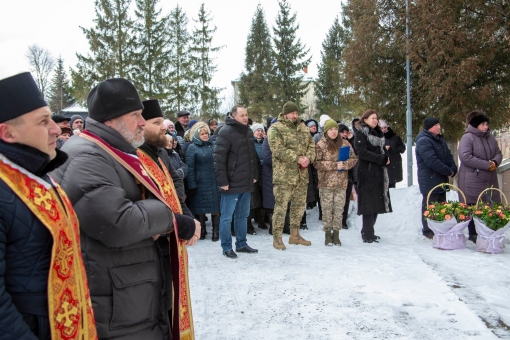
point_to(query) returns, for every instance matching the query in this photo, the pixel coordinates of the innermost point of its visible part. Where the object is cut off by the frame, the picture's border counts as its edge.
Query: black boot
(215, 227)
(303, 222)
(270, 218)
(232, 230)
(250, 228)
(261, 214)
(201, 219)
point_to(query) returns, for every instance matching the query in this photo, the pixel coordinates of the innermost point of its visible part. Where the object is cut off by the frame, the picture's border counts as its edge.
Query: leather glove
(192, 192)
(492, 166)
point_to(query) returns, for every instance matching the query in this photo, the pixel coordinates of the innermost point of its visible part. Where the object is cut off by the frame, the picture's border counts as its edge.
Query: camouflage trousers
(332, 204)
(297, 197)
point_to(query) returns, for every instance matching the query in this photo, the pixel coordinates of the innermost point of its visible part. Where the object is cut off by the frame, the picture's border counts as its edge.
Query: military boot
(336, 238)
(329, 238)
(295, 238)
(201, 219)
(278, 243)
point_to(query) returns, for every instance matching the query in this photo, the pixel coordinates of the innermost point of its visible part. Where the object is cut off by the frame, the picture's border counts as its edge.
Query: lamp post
(409, 115)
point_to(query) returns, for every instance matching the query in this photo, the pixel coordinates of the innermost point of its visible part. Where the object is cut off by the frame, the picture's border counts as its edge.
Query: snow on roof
(76, 107)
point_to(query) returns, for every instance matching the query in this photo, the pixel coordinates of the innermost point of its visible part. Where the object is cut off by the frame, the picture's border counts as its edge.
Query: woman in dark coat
(202, 184)
(479, 156)
(395, 147)
(373, 182)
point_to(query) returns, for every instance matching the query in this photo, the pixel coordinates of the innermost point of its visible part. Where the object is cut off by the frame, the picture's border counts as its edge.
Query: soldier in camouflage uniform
(332, 183)
(293, 149)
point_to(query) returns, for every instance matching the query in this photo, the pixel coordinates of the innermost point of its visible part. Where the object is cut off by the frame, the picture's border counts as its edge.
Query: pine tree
(180, 72)
(151, 56)
(60, 97)
(255, 85)
(331, 88)
(111, 43)
(205, 97)
(290, 57)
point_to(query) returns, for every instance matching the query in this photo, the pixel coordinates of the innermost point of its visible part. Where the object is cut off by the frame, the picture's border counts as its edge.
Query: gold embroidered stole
(161, 186)
(69, 306)
(166, 186)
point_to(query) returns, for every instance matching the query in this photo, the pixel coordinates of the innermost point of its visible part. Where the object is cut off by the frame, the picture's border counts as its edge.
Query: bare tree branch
(41, 63)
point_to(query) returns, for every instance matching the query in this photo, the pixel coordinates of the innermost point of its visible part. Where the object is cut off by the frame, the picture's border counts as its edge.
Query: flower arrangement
(495, 216)
(445, 211)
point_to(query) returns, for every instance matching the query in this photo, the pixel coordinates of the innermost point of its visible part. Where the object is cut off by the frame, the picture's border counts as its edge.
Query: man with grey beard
(120, 216)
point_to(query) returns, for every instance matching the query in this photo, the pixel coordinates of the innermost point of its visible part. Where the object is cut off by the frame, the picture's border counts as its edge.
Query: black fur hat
(475, 118)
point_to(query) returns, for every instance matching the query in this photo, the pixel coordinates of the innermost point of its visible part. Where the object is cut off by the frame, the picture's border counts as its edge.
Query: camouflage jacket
(288, 142)
(326, 165)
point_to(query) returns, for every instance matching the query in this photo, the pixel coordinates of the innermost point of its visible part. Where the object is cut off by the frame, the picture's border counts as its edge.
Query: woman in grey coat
(479, 155)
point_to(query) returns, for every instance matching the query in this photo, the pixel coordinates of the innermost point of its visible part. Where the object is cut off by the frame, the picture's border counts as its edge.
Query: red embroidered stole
(160, 184)
(69, 306)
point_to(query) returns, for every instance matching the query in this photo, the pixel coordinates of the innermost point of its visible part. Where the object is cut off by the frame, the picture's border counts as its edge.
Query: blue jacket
(435, 161)
(25, 252)
(201, 176)
(258, 148)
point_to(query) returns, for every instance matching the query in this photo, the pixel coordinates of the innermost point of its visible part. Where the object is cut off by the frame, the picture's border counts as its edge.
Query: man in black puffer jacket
(235, 163)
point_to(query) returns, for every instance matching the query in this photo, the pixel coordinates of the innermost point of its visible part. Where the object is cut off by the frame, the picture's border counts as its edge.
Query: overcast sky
(55, 26)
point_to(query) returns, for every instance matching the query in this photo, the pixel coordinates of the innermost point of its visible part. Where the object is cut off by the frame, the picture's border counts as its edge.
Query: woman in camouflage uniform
(332, 182)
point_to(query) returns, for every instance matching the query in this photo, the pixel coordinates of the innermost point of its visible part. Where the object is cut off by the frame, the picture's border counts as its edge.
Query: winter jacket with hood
(202, 177)
(476, 149)
(235, 158)
(434, 160)
(373, 183)
(123, 263)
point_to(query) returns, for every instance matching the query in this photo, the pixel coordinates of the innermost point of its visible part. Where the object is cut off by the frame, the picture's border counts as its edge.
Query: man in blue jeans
(236, 167)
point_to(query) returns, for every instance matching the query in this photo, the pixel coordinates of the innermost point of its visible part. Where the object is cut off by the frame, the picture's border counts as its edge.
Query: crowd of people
(96, 214)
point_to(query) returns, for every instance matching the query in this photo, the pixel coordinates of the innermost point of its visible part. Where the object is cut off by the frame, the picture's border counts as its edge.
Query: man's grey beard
(157, 140)
(129, 136)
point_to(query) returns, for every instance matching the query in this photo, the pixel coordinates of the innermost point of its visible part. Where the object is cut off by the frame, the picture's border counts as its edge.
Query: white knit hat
(323, 119)
(257, 126)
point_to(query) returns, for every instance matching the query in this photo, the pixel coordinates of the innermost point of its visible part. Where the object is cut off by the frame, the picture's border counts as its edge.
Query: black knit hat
(289, 107)
(113, 98)
(19, 94)
(476, 118)
(342, 127)
(430, 122)
(151, 109)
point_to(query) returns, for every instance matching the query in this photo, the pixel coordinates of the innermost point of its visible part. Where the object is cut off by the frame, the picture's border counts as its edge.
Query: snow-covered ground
(400, 288)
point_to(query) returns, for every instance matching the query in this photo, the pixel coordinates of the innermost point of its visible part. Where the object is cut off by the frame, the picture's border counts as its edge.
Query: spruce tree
(205, 97)
(180, 73)
(151, 56)
(331, 89)
(60, 97)
(111, 44)
(290, 57)
(255, 84)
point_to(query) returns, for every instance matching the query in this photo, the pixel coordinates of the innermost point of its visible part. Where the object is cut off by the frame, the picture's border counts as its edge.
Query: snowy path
(400, 288)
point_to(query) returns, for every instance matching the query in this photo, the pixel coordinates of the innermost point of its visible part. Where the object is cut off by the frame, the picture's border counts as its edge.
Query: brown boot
(295, 238)
(278, 243)
(336, 238)
(329, 238)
